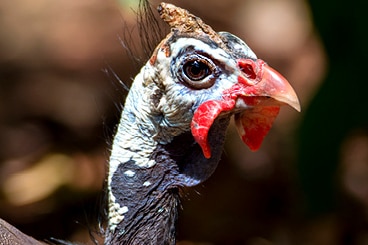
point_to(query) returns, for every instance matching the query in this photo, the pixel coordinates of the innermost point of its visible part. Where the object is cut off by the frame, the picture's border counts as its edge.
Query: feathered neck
(142, 190)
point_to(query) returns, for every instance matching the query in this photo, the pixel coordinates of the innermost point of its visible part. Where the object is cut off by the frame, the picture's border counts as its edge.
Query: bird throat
(144, 200)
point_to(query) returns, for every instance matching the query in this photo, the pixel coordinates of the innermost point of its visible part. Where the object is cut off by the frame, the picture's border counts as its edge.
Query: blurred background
(308, 184)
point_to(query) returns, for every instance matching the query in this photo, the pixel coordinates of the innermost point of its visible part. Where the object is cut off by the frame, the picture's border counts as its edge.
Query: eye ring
(198, 72)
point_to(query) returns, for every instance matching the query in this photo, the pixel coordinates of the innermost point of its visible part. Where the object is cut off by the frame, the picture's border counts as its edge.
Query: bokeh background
(60, 102)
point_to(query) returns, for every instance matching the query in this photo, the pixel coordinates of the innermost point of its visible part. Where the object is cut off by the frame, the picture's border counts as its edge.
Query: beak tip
(299, 109)
(294, 100)
(290, 98)
(296, 105)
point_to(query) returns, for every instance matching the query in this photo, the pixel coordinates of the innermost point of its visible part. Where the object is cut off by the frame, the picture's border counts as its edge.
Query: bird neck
(143, 206)
(142, 192)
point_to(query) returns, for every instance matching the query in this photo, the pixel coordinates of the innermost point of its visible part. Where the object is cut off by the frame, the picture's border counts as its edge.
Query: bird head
(210, 75)
(183, 98)
(173, 125)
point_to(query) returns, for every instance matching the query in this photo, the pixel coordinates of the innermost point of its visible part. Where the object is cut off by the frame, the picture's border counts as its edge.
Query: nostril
(247, 66)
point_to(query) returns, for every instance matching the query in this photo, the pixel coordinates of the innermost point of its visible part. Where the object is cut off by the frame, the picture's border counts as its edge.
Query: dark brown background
(58, 109)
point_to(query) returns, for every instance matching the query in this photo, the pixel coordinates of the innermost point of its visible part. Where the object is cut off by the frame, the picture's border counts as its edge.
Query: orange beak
(261, 80)
(263, 91)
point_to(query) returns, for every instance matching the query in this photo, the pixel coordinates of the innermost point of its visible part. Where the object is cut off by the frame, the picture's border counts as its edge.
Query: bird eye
(198, 72)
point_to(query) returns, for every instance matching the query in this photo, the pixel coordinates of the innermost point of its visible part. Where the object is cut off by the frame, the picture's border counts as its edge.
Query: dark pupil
(196, 70)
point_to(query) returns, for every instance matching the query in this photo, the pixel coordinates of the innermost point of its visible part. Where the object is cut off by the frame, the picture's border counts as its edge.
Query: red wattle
(254, 124)
(203, 119)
